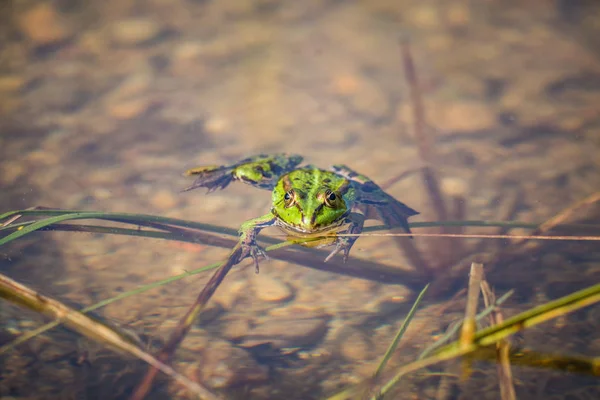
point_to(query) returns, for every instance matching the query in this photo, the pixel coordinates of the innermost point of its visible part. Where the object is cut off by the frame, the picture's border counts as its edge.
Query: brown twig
(424, 141)
(442, 248)
(550, 224)
(505, 377)
(566, 213)
(22, 295)
(395, 179)
(187, 321)
(469, 326)
(310, 258)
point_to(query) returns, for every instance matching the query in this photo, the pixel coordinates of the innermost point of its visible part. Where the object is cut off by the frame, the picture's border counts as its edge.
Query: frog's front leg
(248, 232)
(261, 171)
(344, 243)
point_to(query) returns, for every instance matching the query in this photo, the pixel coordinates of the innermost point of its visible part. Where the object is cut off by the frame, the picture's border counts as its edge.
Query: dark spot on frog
(261, 170)
(369, 187)
(326, 180)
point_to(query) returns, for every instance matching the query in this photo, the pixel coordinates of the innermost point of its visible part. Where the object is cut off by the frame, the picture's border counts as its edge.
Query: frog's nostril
(309, 222)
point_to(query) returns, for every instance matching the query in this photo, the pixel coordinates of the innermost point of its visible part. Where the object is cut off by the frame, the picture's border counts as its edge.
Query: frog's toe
(212, 178)
(341, 245)
(333, 253)
(255, 252)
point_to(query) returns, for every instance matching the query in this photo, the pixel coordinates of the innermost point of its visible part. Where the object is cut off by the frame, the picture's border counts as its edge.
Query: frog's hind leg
(260, 171)
(375, 203)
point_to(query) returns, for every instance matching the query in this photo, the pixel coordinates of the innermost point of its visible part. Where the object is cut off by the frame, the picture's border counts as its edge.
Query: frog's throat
(299, 231)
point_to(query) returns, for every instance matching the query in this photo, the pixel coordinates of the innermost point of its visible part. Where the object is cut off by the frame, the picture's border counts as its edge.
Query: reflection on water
(104, 104)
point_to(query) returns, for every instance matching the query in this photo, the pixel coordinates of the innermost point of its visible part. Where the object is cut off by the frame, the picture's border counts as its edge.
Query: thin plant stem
(394, 344)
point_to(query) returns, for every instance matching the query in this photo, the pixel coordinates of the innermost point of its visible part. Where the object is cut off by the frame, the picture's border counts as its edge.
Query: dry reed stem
(91, 328)
(505, 377)
(442, 247)
(469, 326)
(186, 322)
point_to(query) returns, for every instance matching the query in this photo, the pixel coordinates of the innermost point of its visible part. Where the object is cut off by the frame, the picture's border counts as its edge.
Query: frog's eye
(288, 197)
(330, 197)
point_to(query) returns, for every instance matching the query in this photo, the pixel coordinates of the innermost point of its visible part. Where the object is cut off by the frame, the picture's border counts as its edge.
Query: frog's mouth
(297, 230)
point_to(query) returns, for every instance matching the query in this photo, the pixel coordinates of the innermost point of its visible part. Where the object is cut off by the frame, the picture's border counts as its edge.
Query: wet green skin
(306, 201)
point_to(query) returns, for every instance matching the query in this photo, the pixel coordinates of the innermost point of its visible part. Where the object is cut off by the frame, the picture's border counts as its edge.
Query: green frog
(307, 202)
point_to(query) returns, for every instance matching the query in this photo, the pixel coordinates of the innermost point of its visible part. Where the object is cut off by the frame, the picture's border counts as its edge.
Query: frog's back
(310, 178)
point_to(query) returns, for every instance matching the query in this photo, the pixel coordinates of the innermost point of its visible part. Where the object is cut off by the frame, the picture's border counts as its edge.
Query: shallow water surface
(103, 106)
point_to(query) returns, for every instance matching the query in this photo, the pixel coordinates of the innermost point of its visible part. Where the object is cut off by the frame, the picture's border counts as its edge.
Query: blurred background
(104, 104)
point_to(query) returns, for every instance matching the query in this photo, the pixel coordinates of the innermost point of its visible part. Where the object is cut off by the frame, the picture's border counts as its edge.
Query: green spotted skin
(306, 200)
(311, 200)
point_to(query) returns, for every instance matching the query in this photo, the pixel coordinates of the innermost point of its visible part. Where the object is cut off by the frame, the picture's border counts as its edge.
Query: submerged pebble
(294, 330)
(355, 346)
(224, 365)
(271, 289)
(42, 25)
(134, 31)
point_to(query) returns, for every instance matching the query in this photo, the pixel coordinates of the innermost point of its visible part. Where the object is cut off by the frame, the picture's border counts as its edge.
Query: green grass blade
(400, 333)
(65, 215)
(454, 329)
(493, 334)
(48, 221)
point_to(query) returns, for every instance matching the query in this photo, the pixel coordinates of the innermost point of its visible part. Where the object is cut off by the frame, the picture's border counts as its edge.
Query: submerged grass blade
(91, 328)
(400, 333)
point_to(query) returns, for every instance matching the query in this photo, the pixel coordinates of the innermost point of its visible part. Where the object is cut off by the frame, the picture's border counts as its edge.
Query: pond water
(104, 105)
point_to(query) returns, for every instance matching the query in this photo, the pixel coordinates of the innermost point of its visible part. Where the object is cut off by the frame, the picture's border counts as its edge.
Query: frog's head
(311, 200)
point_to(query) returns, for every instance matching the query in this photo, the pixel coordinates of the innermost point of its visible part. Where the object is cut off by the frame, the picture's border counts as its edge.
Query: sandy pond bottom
(103, 105)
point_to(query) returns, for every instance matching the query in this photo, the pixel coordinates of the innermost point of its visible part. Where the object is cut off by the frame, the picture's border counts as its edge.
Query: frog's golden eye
(330, 197)
(289, 197)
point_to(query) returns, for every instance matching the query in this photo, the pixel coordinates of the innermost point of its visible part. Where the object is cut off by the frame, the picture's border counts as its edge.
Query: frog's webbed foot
(255, 251)
(248, 232)
(341, 244)
(210, 177)
(261, 171)
(345, 243)
(391, 212)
